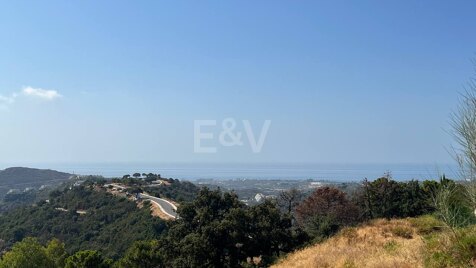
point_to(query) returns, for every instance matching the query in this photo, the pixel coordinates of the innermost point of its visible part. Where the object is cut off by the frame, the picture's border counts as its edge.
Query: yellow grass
(380, 243)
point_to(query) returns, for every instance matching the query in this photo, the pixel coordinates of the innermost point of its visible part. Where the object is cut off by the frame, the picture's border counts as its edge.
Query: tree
(87, 259)
(217, 230)
(289, 199)
(364, 200)
(270, 231)
(28, 253)
(414, 199)
(325, 211)
(205, 226)
(56, 252)
(387, 198)
(150, 177)
(136, 175)
(142, 254)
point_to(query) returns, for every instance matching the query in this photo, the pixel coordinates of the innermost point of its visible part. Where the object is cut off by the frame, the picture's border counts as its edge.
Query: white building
(259, 197)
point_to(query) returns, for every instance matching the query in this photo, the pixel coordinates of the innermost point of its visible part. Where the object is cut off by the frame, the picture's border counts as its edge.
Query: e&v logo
(228, 136)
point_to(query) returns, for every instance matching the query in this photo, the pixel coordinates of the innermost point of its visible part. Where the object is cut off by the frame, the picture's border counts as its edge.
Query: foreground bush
(448, 249)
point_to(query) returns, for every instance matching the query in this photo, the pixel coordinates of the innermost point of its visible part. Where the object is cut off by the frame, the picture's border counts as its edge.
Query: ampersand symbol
(228, 126)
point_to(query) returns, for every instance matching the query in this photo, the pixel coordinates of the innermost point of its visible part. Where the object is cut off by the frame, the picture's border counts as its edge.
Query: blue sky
(341, 82)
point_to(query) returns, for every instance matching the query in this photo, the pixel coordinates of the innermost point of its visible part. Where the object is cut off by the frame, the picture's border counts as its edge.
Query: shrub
(450, 250)
(466, 246)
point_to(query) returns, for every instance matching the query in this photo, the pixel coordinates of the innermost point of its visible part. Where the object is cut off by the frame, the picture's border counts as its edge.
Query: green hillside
(83, 217)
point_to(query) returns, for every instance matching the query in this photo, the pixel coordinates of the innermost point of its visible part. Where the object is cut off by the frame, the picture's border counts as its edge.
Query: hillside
(24, 176)
(21, 178)
(380, 243)
(411, 242)
(83, 218)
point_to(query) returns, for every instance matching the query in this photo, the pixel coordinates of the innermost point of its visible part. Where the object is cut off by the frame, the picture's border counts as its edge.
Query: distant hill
(21, 178)
(25, 176)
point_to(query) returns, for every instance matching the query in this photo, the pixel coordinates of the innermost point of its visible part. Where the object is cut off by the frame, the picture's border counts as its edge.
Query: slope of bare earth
(380, 243)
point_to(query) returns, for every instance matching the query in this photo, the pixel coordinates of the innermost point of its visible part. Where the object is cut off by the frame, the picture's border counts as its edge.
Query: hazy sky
(105, 81)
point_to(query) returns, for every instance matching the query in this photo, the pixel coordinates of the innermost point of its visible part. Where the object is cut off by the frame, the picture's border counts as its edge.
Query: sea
(263, 171)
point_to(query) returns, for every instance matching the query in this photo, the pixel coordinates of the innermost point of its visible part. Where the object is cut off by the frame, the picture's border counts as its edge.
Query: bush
(452, 250)
(466, 247)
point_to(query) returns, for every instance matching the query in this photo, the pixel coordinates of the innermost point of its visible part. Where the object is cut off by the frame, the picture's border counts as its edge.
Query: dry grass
(380, 243)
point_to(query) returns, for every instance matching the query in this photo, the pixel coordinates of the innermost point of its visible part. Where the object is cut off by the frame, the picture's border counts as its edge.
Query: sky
(339, 82)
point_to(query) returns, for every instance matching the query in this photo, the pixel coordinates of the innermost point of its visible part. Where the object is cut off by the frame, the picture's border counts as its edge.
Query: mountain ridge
(25, 175)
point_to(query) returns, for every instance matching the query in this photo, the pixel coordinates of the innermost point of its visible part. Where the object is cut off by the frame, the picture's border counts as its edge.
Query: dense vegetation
(17, 199)
(21, 178)
(217, 230)
(83, 218)
(386, 198)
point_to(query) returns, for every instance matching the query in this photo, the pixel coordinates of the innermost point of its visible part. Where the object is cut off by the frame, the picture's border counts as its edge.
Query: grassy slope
(380, 243)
